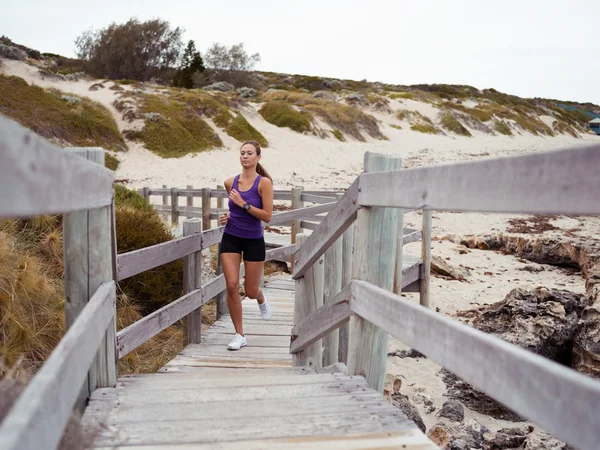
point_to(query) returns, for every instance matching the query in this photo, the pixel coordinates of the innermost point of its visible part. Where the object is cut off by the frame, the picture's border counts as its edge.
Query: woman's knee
(251, 291)
(233, 287)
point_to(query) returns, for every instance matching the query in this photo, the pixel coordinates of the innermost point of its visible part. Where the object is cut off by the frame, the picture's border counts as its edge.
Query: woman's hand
(236, 198)
(224, 218)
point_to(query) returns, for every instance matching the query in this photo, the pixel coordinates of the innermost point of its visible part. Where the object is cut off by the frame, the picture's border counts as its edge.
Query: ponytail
(259, 168)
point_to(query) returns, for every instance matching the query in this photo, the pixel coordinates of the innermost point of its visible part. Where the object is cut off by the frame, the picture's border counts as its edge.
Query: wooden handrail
(40, 415)
(43, 179)
(303, 213)
(557, 182)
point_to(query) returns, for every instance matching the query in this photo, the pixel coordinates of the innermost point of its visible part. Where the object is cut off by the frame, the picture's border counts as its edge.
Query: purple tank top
(241, 223)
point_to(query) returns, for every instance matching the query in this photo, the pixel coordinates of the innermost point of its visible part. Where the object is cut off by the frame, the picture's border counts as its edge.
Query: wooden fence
(562, 401)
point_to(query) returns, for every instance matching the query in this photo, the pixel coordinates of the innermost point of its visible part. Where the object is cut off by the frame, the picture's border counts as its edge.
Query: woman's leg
(254, 270)
(231, 269)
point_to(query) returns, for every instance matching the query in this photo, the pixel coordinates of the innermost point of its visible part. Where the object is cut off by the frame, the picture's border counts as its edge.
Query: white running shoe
(265, 310)
(237, 342)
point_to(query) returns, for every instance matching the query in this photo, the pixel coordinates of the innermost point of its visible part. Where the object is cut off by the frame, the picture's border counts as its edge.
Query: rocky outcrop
(441, 267)
(402, 402)
(574, 252)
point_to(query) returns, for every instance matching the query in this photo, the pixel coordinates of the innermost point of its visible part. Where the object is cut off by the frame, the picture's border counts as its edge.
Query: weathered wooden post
(297, 203)
(90, 260)
(367, 349)
(309, 298)
(206, 209)
(165, 202)
(347, 265)
(174, 207)
(332, 285)
(220, 199)
(222, 296)
(426, 256)
(190, 201)
(146, 193)
(192, 279)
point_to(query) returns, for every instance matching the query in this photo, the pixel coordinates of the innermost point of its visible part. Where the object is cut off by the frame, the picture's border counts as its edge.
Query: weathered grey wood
(332, 227)
(222, 295)
(411, 235)
(189, 201)
(146, 193)
(165, 197)
(347, 265)
(138, 261)
(556, 182)
(562, 401)
(308, 299)
(280, 253)
(206, 209)
(328, 317)
(192, 280)
(296, 197)
(311, 198)
(36, 177)
(297, 214)
(368, 344)
(212, 237)
(41, 413)
(219, 199)
(88, 240)
(332, 286)
(309, 225)
(426, 257)
(174, 206)
(399, 258)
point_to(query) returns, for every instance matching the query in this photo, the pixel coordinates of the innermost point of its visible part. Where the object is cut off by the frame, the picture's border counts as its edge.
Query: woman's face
(249, 156)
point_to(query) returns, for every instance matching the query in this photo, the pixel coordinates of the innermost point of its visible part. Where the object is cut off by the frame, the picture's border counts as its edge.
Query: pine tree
(191, 62)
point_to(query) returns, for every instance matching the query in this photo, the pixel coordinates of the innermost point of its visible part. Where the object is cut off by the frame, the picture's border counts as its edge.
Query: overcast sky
(527, 48)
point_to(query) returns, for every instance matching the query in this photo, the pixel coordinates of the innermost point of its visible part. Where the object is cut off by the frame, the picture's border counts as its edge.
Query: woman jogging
(250, 202)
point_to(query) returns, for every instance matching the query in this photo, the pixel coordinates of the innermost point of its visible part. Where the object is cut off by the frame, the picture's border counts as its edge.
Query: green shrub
(83, 123)
(131, 198)
(282, 114)
(397, 127)
(338, 135)
(347, 119)
(450, 123)
(239, 128)
(403, 114)
(111, 162)
(424, 128)
(501, 127)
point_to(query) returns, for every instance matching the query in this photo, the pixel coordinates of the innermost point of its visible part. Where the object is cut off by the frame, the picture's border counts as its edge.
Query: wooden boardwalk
(209, 397)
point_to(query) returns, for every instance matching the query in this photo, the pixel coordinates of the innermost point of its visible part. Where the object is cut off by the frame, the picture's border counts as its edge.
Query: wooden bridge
(313, 376)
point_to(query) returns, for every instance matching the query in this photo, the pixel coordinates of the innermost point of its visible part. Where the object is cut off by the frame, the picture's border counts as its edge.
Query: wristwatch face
(246, 206)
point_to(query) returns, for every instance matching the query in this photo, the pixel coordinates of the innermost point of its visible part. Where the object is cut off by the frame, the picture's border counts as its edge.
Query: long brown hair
(259, 169)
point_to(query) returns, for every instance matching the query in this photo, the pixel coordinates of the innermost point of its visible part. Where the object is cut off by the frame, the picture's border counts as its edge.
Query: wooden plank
(41, 413)
(331, 228)
(405, 439)
(411, 271)
(377, 234)
(281, 253)
(137, 333)
(138, 261)
(189, 201)
(252, 329)
(212, 237)
(188, 431)
(426, 257)
(328, 317)
(411, 235)
(36, 177)
(562, 401)
(556, 182)
(192, 280)
(278, 353)
(309, 225)
(312, 198)
(348, 264)
(234, 363)
(308, 299)
(206, 209)
(295, 214)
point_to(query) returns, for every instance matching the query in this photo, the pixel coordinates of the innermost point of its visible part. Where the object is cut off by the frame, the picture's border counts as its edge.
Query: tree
(134, 50)
(191, 63)
(219, 57)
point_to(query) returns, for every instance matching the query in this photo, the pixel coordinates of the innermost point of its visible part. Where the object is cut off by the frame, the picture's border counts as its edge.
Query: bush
(77, 121)
(115, 52)
(338, 135)
(347, 119)
(450, 123)
(424, 128)
(284, 115)
(501, 127)
(111, 162)
(221, 86)
(239, 128)
(246, 92)
(10, 52)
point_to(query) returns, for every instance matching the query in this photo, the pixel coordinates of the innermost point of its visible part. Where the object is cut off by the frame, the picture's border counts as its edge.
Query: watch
(246, 206)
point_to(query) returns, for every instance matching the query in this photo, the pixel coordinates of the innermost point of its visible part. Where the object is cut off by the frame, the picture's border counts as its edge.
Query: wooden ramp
(209, 397)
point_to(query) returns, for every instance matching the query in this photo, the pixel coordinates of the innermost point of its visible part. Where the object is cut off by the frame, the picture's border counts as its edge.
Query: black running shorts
(253, 249)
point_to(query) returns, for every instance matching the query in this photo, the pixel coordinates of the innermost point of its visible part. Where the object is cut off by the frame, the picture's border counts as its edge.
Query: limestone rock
(453, 410)
(441, 267)
(403, 403)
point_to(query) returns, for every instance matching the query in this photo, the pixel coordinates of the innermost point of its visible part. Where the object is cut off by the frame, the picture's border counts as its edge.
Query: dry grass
(451, 123)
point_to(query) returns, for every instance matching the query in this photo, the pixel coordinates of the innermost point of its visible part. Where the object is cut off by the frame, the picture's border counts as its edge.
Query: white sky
(527, 48)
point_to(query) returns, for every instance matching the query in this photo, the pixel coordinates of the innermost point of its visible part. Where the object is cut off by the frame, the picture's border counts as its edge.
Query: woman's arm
(265, 189)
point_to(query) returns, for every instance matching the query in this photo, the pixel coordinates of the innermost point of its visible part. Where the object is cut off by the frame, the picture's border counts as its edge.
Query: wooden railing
(555, 397)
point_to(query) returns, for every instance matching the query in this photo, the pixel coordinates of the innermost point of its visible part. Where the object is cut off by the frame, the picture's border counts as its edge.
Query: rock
(425, 401)
(541, 440)
(506, 438)
(10, 52)
(476, 431)
(246, 92)
(221, 86)
(441, 267)
(453, 410)
(542, 320)
(332, 84)
(476, 400)
(403, 403)
(154, 117)
(72, 100)
(534, 268)
(412, 353)
(96, 86)
(439, 436)
(324, 95)
(459, 444)
(392, 385)
(356, 98)
(586, 346)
